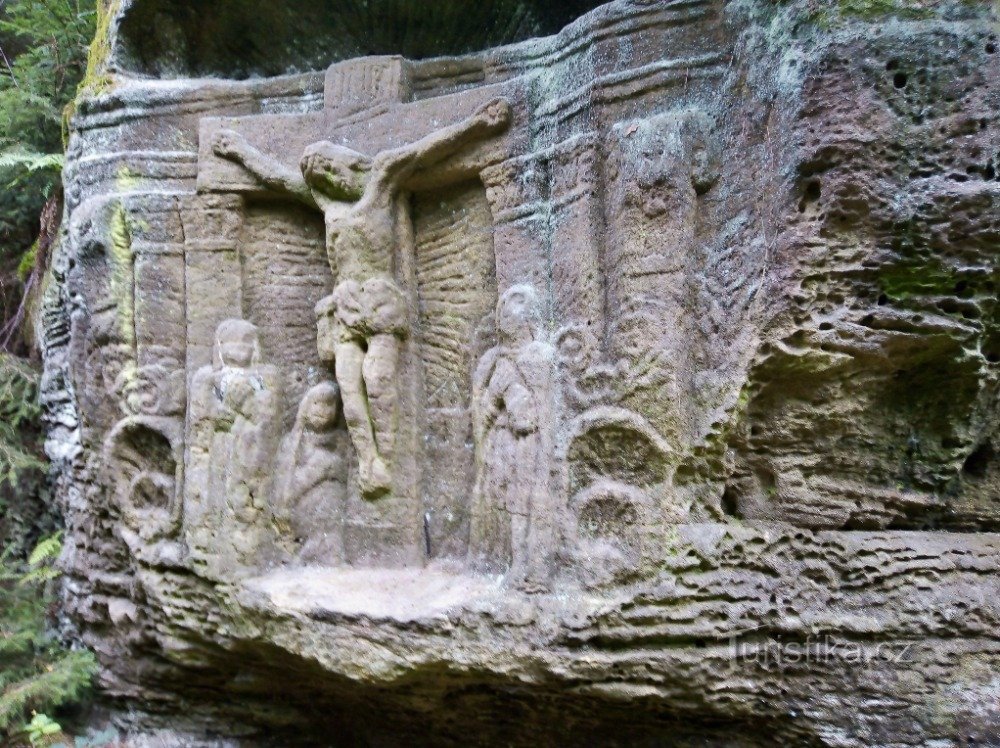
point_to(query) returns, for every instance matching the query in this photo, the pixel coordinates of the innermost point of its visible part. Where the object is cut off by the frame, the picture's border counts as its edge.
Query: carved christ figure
(362, 324)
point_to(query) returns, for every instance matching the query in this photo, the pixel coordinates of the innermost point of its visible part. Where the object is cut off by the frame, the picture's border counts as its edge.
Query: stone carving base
(731, 648)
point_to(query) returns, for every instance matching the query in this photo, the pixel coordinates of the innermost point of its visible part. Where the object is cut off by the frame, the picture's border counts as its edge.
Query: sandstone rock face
(632, 384)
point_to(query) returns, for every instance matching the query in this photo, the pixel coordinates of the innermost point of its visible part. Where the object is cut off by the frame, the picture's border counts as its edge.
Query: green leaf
(46, 550)
(23, 162)
(62, 680)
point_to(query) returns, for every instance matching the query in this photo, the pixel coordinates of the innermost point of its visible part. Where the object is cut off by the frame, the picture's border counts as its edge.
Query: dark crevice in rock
(279, 699)
(237, 39)
(978, 463)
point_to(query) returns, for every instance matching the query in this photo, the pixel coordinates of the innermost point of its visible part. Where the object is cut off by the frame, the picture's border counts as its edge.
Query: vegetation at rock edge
(43, 56)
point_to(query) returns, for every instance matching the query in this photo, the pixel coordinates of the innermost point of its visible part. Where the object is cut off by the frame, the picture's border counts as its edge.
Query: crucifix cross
(353, 162)
(369, 106)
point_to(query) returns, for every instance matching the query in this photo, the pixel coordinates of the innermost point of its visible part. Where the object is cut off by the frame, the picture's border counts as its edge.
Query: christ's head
(336, 171)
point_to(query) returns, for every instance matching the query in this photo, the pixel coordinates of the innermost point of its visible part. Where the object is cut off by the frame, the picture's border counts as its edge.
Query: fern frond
(40, 576)
(63, 680)
(46, 550)
(30, 161)
(19, 413)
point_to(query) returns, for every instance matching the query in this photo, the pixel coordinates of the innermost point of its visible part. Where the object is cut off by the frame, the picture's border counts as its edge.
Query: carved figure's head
(318, 411)
(578, 348)
(519, 317)
(338, 172)
(236, 344)
(634, 333)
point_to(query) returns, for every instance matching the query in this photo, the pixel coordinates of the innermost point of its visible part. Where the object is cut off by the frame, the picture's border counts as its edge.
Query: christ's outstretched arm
(272, 174)
(394, 166)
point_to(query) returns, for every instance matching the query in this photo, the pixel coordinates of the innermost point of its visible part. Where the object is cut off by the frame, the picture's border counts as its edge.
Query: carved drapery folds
(310, 503)
(233, 432)
(514, 419)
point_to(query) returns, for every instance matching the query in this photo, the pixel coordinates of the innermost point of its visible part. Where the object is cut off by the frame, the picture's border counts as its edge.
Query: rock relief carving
(593, 377)
(234, 427)
(504, 480)
(514, 421)
(454, 271)
(132, 391)
(612, 533)
(143, 459)
(618, 472)
(683, 309)
(361, 325)
(312, 493)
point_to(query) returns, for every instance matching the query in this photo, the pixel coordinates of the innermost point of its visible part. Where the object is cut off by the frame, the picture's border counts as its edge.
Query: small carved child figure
(313, 491)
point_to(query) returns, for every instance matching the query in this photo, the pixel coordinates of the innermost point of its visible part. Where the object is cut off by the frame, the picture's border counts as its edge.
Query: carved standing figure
(367, 315)
(513, 422)
(235, 420)
(311, 504)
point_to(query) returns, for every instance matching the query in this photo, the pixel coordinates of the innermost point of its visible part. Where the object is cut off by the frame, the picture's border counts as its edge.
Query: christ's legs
(373, 475)
(379, 370)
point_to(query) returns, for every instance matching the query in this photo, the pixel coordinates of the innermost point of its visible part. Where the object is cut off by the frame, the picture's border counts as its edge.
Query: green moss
(672, 544)
(122, 280)
(126, 180)
(96, 78)
(872, 11)
(27, 263)
(916, 278)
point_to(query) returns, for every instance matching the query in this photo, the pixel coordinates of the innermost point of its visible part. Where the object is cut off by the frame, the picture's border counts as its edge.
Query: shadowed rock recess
(632, 385)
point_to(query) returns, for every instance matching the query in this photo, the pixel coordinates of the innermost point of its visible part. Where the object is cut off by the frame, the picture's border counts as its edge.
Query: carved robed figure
(310, 504)
(514, 419)
(235, 423)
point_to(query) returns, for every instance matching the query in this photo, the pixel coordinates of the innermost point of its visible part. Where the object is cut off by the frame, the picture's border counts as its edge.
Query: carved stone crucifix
(362, 323)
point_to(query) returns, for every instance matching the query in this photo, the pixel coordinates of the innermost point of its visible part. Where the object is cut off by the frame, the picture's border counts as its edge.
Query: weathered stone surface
(629, 385)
